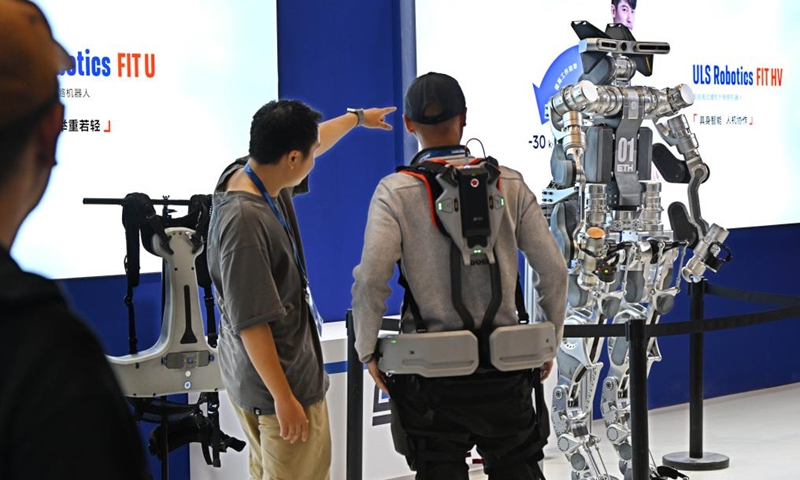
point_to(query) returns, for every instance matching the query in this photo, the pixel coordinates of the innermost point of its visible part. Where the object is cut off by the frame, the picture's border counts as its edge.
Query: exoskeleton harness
(183, 360)
(466, 206)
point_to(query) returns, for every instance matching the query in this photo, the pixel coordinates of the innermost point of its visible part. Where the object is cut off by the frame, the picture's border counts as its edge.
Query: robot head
(614, 56)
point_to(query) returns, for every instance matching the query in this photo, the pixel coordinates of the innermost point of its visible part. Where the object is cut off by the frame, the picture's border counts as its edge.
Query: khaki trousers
(273, 458)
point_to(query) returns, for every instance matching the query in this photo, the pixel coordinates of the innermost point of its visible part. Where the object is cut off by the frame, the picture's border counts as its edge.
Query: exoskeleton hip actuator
(604, 208)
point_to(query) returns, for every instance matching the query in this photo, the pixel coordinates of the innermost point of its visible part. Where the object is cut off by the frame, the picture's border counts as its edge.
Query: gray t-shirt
(257, 280)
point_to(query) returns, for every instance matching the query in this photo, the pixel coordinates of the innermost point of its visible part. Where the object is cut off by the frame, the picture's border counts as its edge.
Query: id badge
(312, 308)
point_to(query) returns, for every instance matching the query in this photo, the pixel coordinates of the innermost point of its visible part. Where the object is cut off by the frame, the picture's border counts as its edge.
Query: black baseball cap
(433, 98)
(30, 61)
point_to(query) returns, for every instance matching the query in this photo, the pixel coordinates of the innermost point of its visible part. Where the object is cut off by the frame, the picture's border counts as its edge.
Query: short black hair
(632, 3)
(281, 126)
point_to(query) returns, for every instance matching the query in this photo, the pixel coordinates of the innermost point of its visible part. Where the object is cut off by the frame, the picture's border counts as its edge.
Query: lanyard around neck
(281, 219)
(440, 152)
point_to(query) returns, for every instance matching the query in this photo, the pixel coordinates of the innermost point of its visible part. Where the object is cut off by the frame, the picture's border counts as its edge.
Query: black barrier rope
(689, 327)
(753, 297)
(636, 332)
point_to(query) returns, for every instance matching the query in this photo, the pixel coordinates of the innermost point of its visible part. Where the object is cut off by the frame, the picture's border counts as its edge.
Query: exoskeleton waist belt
(449, 354)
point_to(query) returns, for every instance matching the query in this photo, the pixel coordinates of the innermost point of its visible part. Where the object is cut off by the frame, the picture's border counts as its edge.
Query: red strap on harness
(428, 185)
(428, 188)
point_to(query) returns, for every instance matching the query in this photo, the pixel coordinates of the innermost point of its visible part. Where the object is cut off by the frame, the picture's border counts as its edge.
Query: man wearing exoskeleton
(463, 371)
(605, 214)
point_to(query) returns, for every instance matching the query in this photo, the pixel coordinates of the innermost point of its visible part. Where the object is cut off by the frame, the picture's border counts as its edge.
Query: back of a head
(432, 100)
(30, 61)
(281, 126)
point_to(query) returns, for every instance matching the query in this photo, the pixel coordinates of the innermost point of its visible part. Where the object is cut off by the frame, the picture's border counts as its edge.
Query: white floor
(759, 431)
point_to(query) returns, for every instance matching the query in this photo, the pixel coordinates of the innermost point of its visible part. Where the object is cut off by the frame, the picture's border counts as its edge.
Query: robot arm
(690, 226)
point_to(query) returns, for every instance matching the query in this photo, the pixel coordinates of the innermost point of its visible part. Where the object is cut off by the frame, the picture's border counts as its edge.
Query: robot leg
(578, 374)
(615, 403)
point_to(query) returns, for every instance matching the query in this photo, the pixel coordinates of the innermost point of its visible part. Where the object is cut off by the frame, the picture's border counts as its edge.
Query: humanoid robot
(605, 213)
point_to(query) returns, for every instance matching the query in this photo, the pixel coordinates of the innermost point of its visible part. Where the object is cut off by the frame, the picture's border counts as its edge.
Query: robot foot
(588, 476)
(666, 473)
(660, 473)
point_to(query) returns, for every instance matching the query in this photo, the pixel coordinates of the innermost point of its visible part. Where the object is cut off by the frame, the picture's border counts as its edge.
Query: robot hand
(706, 255)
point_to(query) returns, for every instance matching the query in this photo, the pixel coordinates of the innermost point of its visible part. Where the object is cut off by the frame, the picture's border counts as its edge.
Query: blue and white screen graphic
(738, 57)
(159, 102)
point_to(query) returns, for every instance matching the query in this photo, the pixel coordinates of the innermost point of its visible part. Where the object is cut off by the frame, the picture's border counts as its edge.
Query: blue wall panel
(334, 56)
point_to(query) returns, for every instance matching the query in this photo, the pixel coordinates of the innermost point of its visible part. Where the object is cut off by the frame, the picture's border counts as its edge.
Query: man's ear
(409, 125)
(50, 127)
(294, 156)
(464, 117)
(613, 14)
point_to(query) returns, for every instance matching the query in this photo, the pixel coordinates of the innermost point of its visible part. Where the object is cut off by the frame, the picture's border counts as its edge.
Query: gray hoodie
(400, 227)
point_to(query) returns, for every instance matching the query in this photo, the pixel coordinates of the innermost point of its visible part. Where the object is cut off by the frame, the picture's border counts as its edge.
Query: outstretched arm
(331, 131)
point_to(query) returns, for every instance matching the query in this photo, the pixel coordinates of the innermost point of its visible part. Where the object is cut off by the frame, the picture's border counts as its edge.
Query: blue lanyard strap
(264, 193)
(443, 152)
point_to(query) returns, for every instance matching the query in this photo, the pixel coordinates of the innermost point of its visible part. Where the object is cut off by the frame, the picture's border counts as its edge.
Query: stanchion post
(640, 435)
(696, 362)
(695, 458)
(355, 404)
(165, 443)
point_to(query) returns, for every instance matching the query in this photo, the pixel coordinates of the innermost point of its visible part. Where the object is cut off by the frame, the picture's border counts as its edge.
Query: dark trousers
(436, 421)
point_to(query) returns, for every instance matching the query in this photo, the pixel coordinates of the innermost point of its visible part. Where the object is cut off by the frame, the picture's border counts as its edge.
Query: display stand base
(709, 461)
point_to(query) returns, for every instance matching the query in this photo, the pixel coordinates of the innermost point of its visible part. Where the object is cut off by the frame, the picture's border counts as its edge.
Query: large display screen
(738, 57)
(160, 100)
